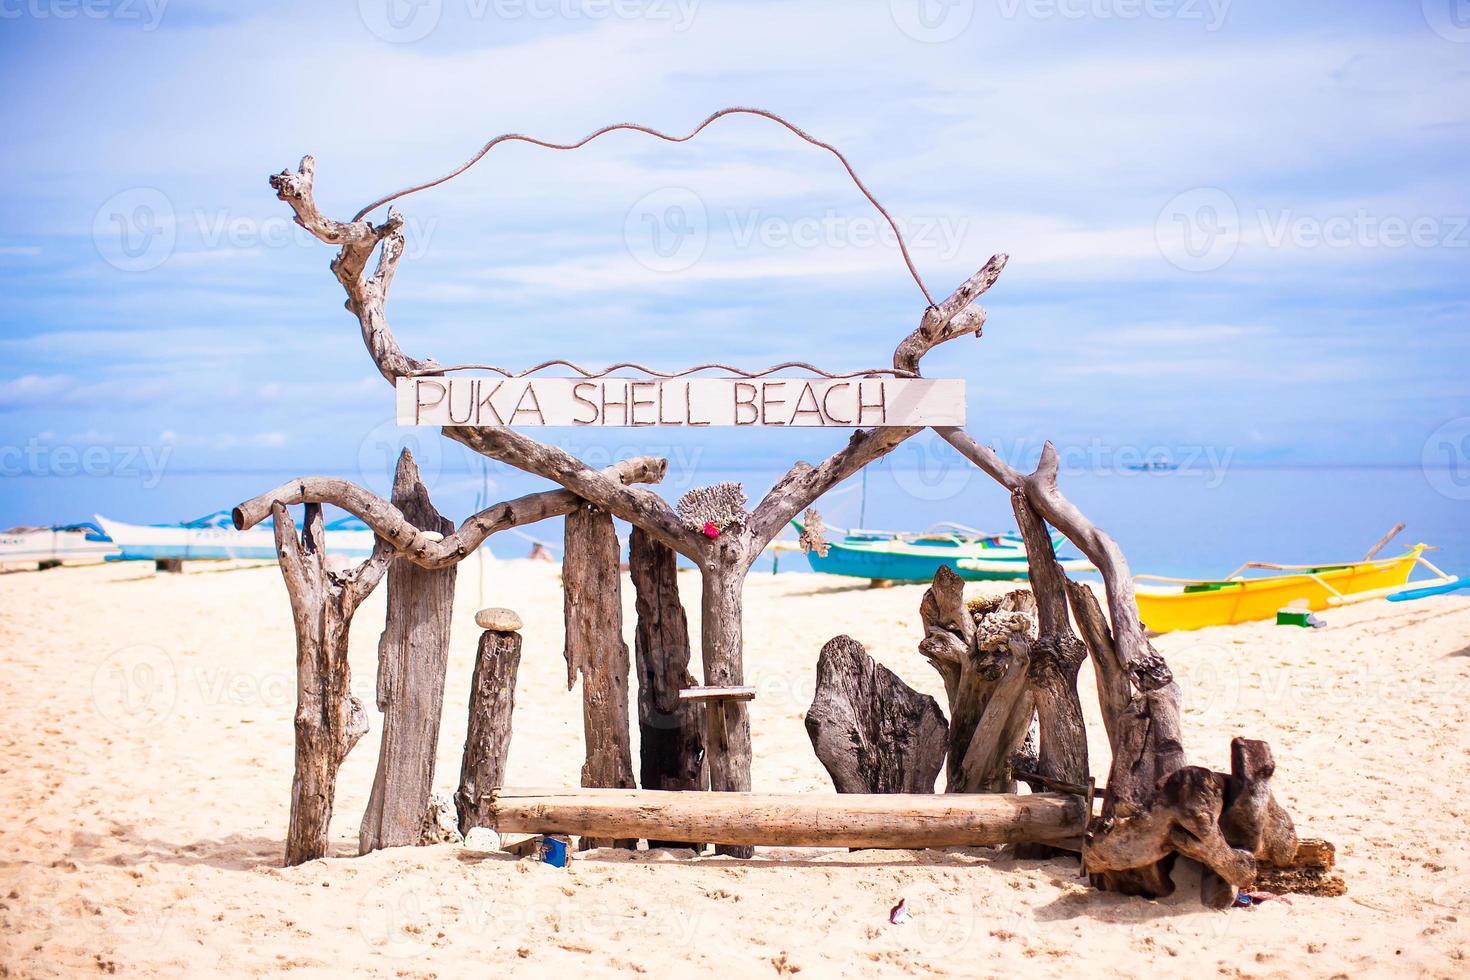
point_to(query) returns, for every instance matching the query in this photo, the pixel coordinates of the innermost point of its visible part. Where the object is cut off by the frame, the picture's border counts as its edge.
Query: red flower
(710, 531)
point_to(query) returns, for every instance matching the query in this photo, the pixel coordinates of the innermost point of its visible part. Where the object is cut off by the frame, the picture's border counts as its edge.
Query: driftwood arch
(1154, 806)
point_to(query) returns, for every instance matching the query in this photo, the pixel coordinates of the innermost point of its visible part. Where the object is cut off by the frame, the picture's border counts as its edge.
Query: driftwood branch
(430, 550)
(955, 317)
(329, 719)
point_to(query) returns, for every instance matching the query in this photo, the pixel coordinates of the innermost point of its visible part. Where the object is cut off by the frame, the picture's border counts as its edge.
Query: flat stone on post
(499, 620)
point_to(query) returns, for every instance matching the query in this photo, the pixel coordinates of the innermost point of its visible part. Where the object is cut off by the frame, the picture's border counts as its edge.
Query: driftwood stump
(595, 650)
(487, 740)
(1056, 658)
(413, 655)
(982, 652)
(872, 732)
(670, 730)
(329, 720)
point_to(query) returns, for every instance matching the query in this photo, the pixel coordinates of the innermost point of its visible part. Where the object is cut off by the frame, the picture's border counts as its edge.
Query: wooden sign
(796, 402)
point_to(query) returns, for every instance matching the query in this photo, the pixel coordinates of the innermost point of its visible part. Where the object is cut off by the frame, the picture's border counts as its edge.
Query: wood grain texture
(670, 729)
(487, 737)
(798, 820)
(413, 656)
(434, 547)
(595, 650)
(329, 719)
(872, 732)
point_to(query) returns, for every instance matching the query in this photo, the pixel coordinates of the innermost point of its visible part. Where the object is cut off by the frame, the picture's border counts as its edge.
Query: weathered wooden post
(670, 730)
(492, 702)
(595, 649)
(413, 655)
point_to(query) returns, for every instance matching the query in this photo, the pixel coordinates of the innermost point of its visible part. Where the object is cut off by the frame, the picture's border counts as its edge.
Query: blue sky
(1238, 224)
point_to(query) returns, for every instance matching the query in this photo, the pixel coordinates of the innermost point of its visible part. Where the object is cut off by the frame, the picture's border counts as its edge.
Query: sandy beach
(147, 765)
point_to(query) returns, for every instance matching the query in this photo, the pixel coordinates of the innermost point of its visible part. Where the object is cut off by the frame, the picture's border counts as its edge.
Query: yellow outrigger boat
(1236, 599)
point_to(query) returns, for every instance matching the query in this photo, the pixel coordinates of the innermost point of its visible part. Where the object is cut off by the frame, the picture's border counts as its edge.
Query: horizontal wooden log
(717, 694)
(793, 820)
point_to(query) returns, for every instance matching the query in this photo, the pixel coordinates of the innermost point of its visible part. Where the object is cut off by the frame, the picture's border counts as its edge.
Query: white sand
(146, 768)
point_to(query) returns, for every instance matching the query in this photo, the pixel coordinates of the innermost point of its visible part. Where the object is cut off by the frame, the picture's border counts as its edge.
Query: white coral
(721, 505)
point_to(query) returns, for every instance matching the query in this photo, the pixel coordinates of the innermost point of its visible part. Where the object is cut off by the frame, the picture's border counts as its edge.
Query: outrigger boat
(894, 556)
(1236, 599)
(214, 538)
(67, 544)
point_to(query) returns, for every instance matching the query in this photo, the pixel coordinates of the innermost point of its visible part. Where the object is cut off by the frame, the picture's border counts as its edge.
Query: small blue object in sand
(556, 851)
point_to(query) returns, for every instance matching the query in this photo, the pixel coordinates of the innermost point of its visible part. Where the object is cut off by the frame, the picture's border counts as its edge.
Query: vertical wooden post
(487, 741)
(413, 655)
(595, 649)
(670, 730)
(727, 739)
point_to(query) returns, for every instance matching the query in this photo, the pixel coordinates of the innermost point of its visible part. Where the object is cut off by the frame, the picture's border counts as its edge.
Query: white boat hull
(46, 545)
(143, 542)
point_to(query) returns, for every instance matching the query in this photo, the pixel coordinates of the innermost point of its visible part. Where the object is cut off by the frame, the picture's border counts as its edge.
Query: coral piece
(720, 506)
(814, 534)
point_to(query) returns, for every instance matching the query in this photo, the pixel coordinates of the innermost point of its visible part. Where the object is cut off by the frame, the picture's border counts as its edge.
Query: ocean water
(1201, 521)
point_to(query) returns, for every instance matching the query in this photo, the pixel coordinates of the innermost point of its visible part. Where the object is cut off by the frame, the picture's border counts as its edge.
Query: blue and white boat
(214, 538)
(895, 556)
(65, 544)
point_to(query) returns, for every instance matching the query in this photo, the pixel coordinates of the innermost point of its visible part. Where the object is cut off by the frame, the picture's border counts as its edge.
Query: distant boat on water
(67, 544)
(896, 556)
(1159, 464)
(214, 538)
